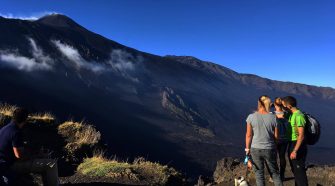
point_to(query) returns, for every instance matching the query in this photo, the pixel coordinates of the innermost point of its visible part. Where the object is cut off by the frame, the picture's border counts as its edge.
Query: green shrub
(146, 171)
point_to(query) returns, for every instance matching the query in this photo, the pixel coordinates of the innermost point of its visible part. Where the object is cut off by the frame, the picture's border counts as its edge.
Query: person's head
(289, 102)
(264, 102)
(20, 116)
(278, 104)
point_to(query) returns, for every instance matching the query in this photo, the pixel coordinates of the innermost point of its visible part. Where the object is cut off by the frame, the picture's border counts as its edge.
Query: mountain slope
(173, 109)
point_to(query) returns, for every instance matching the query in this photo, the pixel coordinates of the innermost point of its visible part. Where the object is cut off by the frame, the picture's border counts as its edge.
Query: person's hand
(293, 155)
(247, 151)
(249, 165)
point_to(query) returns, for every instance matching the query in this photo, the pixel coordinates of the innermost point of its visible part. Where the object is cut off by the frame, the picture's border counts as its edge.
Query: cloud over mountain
(38, 61)
(72, 54)
(120, 61)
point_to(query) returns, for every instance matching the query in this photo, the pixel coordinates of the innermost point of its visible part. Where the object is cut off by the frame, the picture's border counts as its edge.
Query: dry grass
(7, 110)
(78, 134)
(101, 167)
(42, 117)
(152, 173)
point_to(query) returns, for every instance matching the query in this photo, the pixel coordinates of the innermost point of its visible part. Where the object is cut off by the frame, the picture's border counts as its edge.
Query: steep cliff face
(178, 104)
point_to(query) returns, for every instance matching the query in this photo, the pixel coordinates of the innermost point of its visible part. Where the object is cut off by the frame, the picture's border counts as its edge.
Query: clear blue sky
(289, 40)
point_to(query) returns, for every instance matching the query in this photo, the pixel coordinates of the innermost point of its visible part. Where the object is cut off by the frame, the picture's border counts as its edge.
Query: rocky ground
(228, 169)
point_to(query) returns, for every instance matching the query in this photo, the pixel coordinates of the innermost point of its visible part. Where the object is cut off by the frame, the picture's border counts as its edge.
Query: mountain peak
(182, 57)
(58, 20)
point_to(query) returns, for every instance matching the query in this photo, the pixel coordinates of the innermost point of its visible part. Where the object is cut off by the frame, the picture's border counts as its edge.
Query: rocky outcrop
(204, 181)
(228, 169)
(176, 104)
(324, 175)
(173, 102)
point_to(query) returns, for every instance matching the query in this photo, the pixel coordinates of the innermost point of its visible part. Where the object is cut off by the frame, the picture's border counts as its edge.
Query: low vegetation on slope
(7, 110)
(75, 143)
(140, 172)
(45, 117)
(81, 139)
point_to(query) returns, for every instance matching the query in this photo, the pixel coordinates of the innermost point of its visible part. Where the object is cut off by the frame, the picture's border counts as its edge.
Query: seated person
(14, 157)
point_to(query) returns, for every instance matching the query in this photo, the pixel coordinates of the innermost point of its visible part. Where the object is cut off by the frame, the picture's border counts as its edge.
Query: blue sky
(289, 40)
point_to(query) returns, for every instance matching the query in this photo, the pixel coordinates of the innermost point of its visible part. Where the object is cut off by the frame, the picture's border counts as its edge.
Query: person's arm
(276, 134)
(18, 152)
(17, 144)
(301, 136)
(300, 139)
(248, 138)
(276, 130)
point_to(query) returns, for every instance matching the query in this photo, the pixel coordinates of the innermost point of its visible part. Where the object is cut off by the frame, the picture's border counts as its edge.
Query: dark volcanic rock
(228, 169)
(204, 181)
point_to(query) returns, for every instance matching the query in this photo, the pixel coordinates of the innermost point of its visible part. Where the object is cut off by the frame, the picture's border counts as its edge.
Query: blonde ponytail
(264, 102)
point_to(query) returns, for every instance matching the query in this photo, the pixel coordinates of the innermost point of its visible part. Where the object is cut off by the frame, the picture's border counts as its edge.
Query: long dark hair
(279, 103)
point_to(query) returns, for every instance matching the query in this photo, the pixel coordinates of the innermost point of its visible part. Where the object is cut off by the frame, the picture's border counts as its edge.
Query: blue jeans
(259, 158)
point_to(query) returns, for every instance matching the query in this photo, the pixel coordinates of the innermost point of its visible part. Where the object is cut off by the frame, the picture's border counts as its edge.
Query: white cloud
(32, 17)
(39, 61)
(38, 54)
(22, 63)
(69, 52)
(73, 55)
(122, 61)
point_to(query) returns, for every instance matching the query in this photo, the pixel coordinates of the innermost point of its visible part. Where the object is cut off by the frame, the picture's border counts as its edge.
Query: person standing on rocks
(13, 157)
(297, 148)
(262, 133)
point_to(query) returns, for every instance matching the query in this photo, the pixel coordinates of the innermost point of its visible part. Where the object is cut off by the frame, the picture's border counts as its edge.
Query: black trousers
(282, 151)
(298, 165)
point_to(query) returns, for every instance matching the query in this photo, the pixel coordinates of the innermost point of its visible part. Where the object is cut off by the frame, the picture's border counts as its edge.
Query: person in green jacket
(297, 148)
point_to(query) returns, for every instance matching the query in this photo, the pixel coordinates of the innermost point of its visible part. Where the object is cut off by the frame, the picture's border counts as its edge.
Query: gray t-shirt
(263, 126)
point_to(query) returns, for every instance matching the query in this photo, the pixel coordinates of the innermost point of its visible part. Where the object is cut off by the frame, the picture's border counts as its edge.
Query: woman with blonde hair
(262, 133)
